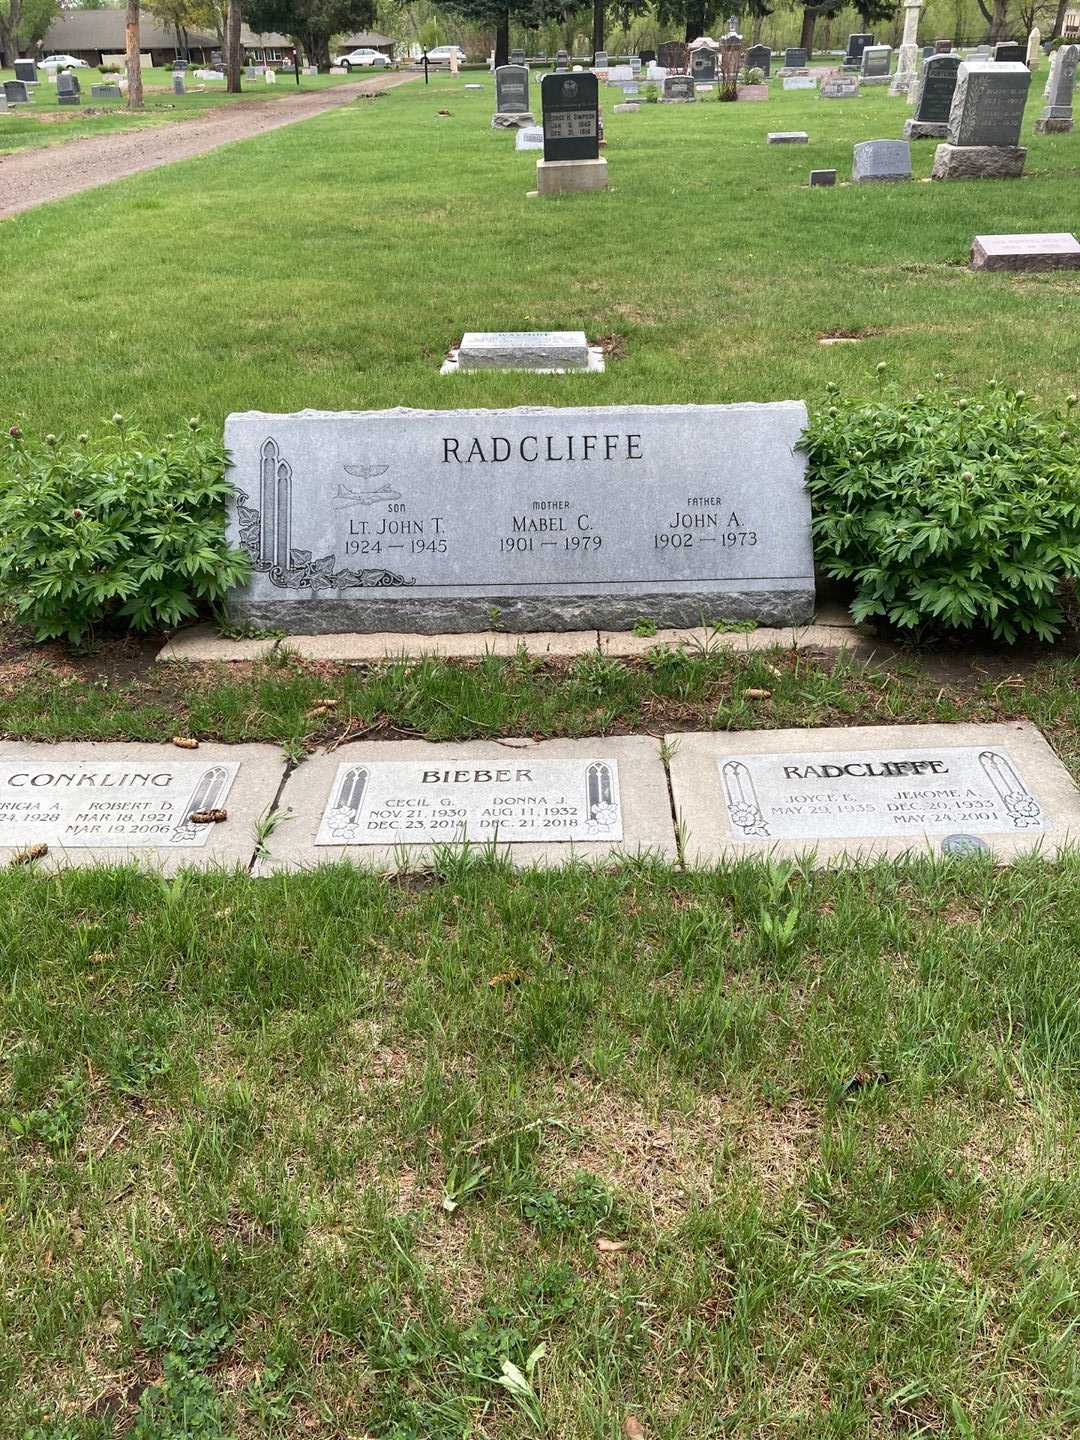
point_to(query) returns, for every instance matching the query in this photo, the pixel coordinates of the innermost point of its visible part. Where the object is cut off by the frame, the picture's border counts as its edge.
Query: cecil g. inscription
(522, 519)
(381, 802)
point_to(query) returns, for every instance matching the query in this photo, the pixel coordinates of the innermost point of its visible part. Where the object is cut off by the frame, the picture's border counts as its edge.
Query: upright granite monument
(984, 123)
(571, 111)
(759, 57)
(933, 100)
(512, 98)
(1057, 115)
(876, 60)
(529, 519)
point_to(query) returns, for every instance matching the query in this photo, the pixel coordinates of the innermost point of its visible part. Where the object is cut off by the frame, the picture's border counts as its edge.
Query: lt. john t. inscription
(540, 518)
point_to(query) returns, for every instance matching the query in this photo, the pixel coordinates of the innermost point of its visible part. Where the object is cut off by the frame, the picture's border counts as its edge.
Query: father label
(521, 519)
(448, 801)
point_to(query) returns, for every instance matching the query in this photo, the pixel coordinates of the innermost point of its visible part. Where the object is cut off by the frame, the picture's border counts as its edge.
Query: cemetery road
(35, 176)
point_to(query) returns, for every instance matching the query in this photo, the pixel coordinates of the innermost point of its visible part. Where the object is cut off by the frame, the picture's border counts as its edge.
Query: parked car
(62, 62)
(364, 59)
(440, 55)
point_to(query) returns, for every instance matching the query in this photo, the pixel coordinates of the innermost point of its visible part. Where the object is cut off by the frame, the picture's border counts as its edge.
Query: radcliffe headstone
(556, 518)
(1057, 115)
(571, 107)
(16, 92)
(511, 97)
(703, 66)
(864, 792)
(794, 59)
(26, 71)
(881, 160)
(678, 89)
(1010, 51)
(875, 64)
(759, 57)
(933, 100)
(67, 89)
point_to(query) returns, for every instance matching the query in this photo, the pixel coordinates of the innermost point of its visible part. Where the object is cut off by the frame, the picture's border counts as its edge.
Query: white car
(440, 55)
(363, 59)
(62, 62)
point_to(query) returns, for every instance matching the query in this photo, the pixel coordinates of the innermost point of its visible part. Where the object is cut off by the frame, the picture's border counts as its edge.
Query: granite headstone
(552, 518)
(933, 99)
(1057, 115)
(759, 57)
(571, 111)
(881, 160)
(678, 88)
(794, 58)
(988, 103)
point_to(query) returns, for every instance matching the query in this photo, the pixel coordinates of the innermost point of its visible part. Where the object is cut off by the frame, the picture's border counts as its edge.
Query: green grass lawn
(331, 264)
(46, 122)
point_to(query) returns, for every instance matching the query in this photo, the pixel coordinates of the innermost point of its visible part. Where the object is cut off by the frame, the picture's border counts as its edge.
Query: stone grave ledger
(873, 791)
(526, 519)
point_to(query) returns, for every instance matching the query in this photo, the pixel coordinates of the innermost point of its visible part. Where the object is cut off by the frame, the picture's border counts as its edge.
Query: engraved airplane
(349, 498)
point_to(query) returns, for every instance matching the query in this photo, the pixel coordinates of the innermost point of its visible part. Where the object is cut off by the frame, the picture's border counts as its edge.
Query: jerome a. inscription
(524, 519)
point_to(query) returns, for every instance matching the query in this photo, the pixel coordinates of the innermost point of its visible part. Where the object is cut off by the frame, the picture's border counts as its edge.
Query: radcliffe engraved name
(497, 449)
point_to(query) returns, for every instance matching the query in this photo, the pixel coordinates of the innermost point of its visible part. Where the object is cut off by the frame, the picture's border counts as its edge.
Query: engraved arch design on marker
(275, 507)
(742, 801)
(601, 802)
(209, 791)
(343, 817)
(1023, 809)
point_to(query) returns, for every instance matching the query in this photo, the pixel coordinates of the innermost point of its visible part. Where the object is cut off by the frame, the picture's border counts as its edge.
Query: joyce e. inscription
(110, 804)
(386, 802)
(835, 795)
(551, 518)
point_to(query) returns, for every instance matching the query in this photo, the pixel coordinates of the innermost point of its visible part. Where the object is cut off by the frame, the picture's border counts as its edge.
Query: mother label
(449, 801)
(525, 519)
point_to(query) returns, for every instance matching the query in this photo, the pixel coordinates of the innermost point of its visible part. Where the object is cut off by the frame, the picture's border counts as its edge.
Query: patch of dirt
(846, 337)
(614, 346)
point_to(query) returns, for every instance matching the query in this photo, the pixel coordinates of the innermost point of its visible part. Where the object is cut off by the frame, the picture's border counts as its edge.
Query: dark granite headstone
(759, 57)
(517, 57)
(16, 92)
(703, 66)
(512, 89)
(571, 108)
(794, 59)
(875, 61)
(988, 103)
(936, 89)
(678, 87)
(1010, 51)
(856, 44)
(26, 71)
(943, 47)
(562, 59)
(67, 89)
(600, 60)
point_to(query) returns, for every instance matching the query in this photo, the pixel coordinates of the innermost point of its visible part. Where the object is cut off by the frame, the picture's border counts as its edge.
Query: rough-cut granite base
(978, 162)
(925, 130)
(512, 119)
(1053, 127)
(522, 613)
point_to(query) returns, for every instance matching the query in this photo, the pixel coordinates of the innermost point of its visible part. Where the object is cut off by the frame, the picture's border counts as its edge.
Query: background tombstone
(562, 60)
(600, 60)
(1009, 52)
(105, 92)
(571, 112)
(179, 88)
(907, 58)
(26, 71)
(942, 47)
(934, 99)
(67, 89)
(529, 137)
(517, 57)
(794, 58)
(678, 89)
(881, 160)
(16, 92)
(512, 98)
(1057, 115)
(759, 57)
(839, 87)
(856, 44)
(985, 118)
(1034, 41)
(703, 66)
(672, 55)
(875, 64)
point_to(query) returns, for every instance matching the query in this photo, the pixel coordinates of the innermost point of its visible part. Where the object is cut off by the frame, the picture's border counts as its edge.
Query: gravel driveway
(35, 176)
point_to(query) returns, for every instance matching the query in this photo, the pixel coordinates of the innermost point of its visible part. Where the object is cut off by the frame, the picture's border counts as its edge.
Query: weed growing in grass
(56, 1123)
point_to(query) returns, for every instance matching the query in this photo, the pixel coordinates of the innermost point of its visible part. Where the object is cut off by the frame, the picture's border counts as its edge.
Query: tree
(497, 15)
(134, 56)
(10, 17)
(875, 12)
(812, 11)
(232, 47)
(313, 23)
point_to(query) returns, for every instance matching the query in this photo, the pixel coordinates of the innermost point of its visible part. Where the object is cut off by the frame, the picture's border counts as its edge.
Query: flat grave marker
(546, 802)
(787, 137)
(558, 518)
(870, 791)
(110, 803)
(543, 351)
(1025, 252)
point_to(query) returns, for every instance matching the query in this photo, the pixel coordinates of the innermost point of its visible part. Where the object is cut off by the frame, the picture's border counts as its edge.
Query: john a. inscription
(540, 518)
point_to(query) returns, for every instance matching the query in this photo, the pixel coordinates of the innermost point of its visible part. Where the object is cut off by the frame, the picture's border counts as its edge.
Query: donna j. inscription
(838, 795)
(553, 518)
(450, 801)
(110, 804)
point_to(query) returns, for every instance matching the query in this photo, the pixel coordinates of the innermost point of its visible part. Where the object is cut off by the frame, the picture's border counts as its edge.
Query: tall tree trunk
(502, 39)
(9, 35)
(999, 29)
(806, 41)
(1059, 19)
(598, 25)
(134, 59)
(232, 48)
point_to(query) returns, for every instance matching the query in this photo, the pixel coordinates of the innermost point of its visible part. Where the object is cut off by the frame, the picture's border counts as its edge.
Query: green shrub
(949, 514)
(113, 528)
